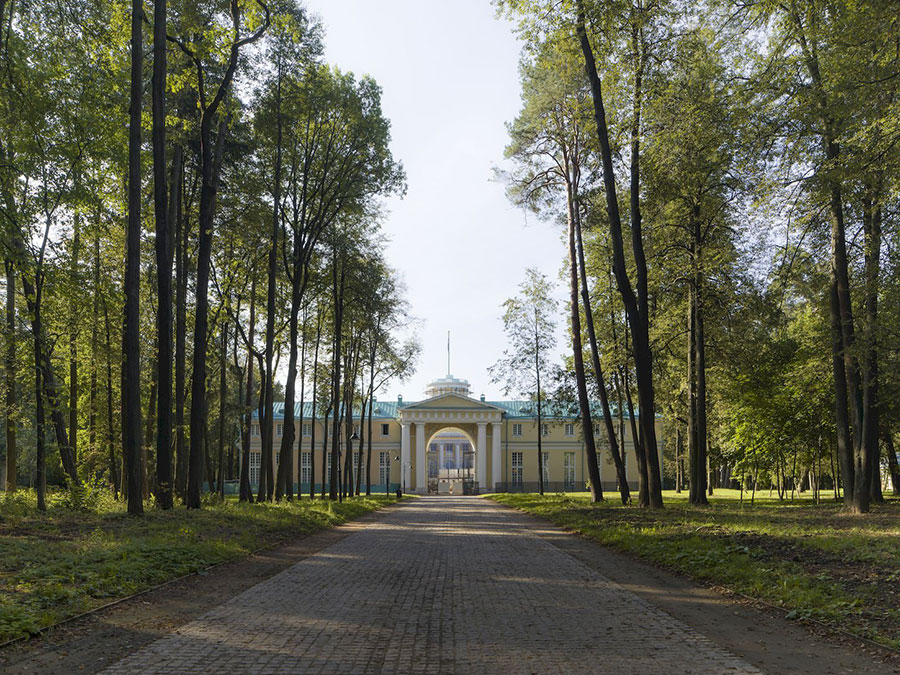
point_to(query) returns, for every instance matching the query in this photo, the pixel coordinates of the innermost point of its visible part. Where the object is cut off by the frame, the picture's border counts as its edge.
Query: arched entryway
(450, 456)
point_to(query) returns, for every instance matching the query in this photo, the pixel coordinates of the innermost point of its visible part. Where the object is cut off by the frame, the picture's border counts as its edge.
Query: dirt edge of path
(93, 642)
(758, 634)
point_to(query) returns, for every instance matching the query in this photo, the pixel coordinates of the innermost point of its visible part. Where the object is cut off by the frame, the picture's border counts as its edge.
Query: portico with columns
(476, 420)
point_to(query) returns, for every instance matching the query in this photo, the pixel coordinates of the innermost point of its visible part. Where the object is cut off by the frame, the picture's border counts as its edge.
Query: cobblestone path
(437, 585)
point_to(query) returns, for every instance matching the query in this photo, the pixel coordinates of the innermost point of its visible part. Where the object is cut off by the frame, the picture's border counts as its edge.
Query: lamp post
(387, 478)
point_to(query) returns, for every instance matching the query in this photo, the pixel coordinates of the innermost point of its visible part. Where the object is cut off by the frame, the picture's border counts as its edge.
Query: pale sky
(448, 71)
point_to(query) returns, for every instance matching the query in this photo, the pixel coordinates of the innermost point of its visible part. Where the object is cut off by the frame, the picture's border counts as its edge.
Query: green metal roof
(387, 410)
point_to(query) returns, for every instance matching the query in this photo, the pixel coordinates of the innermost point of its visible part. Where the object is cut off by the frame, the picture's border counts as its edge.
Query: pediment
(451, 402)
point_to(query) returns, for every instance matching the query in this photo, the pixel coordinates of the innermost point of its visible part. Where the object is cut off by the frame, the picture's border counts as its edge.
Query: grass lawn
(79, 556)
(817, 562)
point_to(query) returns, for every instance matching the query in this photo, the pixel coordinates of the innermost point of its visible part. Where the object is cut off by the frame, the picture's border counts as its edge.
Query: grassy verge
(79, 556)
(816, 561)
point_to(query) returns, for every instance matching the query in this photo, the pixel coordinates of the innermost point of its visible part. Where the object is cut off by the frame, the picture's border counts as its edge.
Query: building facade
(452, 443)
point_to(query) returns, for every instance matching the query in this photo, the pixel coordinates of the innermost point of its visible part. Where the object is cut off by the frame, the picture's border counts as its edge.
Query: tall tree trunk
(326, 473)
(40, 482)
(300, 421)
(95, 342)
(636, 307)
(540, 408)
(73, 340)
(362, 421)
(348, 386)
(266, 429)
(163, 216)
(338, 296)
(223, 393)
(844, 442)
(692, 398)
(640, 459)
(210, 164)
(246, 494)
(624, 492)
(11, 398)
(372, 353)
(110, 424)
(678, 475)
(131, 343)
(315, 400)
(148, 440)
(578, 354)
(871, 448)
(282, 487)
(699, 439)
(180, 394)
(855, 462)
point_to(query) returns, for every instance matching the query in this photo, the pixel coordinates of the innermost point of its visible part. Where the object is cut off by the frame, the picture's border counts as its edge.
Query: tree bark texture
(131, 343)
(635, 305)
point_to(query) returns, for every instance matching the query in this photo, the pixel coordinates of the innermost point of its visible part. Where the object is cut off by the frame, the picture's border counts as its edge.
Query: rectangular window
(597, 429)
(254, 430)
(307, 429)
(517, 469)
(545, 462)
(279, 428)
(569, 469)
(545, 430)
(384, 467)
(277, 458)
(570, 429)
(255, 463)
(362, 469)
(306, 467)
(517, 430)
(385, 430)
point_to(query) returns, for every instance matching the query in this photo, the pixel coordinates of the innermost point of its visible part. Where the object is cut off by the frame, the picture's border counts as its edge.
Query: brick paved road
(437, 585)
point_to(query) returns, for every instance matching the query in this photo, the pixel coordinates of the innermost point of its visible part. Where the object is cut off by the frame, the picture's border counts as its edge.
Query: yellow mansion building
(452, 443)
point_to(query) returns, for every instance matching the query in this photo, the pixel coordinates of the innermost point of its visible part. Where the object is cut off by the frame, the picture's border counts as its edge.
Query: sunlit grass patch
(79, 556)
(816, 561)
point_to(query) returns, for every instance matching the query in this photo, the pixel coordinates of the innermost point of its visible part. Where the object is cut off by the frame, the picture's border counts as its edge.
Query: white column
(456, 453)
(404, 454)
(421, 465)
(440, 458)
(495, 456)
(481, 453)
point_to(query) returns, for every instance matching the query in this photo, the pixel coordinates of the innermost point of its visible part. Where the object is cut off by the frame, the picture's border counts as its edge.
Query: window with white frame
(362, 469)
(545, 429)
(384, 467)
(517, 463)
(385, 430)
(306, 467)
(279, 429)
(254, 430)
(569, 469)
(517, 429)
(596, 428)
(570, 429)
(545, 467)
(307, 428)
(255, 463)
